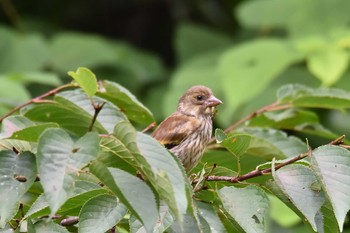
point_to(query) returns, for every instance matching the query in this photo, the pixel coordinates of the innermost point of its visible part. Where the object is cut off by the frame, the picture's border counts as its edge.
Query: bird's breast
(191, 149)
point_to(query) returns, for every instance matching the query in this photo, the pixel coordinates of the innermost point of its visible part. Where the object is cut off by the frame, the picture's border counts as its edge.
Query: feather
(174, 129)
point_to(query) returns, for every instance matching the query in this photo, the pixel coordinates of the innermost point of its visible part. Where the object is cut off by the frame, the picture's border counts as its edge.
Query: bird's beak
(212, 101)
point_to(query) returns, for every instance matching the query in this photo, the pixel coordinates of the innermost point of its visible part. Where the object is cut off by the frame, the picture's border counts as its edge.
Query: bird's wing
(174, 129)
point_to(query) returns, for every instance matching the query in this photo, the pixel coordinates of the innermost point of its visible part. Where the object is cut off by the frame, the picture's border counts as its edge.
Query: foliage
(90, 133)
(57, 175)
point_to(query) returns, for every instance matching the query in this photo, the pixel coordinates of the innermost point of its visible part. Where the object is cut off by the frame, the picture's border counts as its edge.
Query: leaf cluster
(79, 162)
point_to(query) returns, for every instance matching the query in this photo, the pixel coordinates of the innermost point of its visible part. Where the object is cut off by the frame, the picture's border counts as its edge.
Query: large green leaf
(32, 133)
(46, 227)
(257, 62)
(19, 48)
(165, 220)
(332, 166)
(72, 50)
(287, 119)
(248, 207)
(127, 102)
(109, 115)
(73, 110)
(128, 188)
(167, 178)
(302, 96)
(71, 119)
(45, 78)
(83, 191)
(297, 183)
(12, 93)
(270, 143)
(144, 205)
(100, 214)
(85, 79)
(304, 17)
(208, 212)
(12, 124)
(59, 160)
(328, 64)
(192, 40)
(17, 174)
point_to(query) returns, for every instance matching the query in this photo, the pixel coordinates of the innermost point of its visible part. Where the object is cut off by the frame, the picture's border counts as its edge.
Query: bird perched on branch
(187, 131)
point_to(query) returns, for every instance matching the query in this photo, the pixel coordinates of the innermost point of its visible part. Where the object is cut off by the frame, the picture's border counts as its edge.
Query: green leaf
(73, 111)
(311, 17)
(75, 121)
(296, 182)
(39, 208)
(165, 220)
(302, 96)
(72, 50)
(35, 77)
(108, 117)
(287, 119)
(128, 188)
(12, 124)
(83, 191)
(167, 178)
(332, 167)
(270, 143)
(140, 66)
(208, 212)
(100, 214)
(119, 182)
(192, 40)
(257, 62)
(86, 79)
(236, 143)
(145, 205)
(328, 64)
(12, 168)
(19, 48)
(12, 93)
(282, 214)
(122, 144)
(18, 145)
(248, 206)
(59, 158)
(47, 227)
(127, 102)
(32, 133)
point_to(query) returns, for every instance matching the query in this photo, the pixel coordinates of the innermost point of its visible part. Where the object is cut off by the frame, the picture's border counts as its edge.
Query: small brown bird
(187, 131)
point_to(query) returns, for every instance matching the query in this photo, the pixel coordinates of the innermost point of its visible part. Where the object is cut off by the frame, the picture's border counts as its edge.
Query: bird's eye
(199, 97)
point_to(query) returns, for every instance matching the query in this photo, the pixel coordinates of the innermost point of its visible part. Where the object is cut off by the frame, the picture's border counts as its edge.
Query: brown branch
(255, 173)
(70, 221)
(37, 99)
(269, 108)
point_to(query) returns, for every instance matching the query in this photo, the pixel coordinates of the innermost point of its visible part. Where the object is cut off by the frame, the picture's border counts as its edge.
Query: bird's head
(198, 101)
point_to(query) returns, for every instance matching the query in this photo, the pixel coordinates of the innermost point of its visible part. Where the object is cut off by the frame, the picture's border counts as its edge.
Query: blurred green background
(243, 49)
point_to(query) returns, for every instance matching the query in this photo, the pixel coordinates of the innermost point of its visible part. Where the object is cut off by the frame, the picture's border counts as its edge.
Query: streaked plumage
(187, 131)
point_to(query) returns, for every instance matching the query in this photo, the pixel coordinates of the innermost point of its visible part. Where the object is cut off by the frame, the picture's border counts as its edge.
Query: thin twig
(269, 108)
(255, 173)
(149, 127)
(37, 99)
